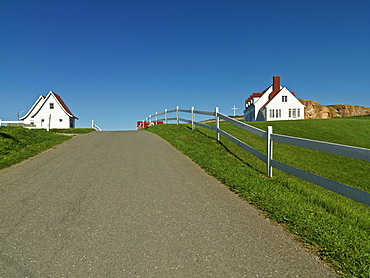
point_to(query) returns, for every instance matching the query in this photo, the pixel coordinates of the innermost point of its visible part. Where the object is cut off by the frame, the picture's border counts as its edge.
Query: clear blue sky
(116, 62)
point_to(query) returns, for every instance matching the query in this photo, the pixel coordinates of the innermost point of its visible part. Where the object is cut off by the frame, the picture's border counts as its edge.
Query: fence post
(177, 115)
(48, 124)
(268, 151)
(165, 116)
(192, 117)
(217, 120)
(156, 118)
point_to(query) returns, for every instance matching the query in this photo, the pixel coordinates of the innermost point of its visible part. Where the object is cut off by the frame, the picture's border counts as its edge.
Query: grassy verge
(18, 143)
(337, 228)
(73, 130)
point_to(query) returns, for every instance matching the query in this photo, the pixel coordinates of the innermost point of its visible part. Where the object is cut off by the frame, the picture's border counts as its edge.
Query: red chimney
(275, 86)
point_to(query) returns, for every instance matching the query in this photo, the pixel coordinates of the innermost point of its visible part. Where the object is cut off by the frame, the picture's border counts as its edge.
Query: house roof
(275, 96)
(44, 100)
(41, 98)
(254, 95)
(271, 94)
(65, 107)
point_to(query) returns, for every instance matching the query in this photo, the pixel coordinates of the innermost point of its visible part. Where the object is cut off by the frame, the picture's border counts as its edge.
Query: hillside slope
(18, 143)
(336, 227)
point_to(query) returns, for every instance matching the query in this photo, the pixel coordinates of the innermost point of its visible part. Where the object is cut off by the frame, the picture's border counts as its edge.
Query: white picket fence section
(337, 149)
(11, 122)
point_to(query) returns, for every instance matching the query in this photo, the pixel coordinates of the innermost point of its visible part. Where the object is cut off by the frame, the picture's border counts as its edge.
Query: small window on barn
(51, 105)
(60, 120)
(285, 98)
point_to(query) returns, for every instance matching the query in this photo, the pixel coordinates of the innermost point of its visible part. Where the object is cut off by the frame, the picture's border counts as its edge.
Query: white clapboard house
(49, 112)
(274, 103)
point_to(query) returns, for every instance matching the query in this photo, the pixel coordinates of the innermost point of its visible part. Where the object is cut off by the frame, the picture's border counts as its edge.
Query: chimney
(275, 86)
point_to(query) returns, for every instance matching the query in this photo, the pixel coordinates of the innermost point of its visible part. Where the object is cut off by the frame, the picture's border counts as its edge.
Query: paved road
(127, 204)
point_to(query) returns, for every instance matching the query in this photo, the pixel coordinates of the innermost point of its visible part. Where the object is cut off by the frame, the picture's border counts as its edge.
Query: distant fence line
(21, 123)
(11, 122)
(337, 149)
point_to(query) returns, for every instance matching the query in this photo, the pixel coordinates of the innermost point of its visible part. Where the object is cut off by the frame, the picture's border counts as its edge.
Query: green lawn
(335, 227)
(18, 143)
(346, 131)
(73, 130)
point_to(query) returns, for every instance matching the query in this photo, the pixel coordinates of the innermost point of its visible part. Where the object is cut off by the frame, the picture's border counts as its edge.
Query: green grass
(72, 130)
(346, 131)
(335, 227)
(18, 143)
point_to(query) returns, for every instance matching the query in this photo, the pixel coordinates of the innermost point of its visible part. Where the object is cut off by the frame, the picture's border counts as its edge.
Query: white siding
(291, 103)
(276, 109)
(37, 105)
(43, 115)
(262, 100)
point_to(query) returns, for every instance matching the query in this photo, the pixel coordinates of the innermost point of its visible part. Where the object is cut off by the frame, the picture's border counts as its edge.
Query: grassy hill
(18, 143)
(346, 131)
(335, 227)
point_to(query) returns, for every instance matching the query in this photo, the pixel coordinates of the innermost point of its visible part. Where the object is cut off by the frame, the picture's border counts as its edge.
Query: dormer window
(51, 105)
(284, 98)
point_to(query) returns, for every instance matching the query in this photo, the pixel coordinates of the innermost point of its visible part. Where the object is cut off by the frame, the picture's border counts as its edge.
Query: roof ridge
(62, 103)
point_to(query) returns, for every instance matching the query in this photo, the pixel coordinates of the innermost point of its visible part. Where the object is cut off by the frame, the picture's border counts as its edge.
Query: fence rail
(343, 150)
(11, 122)
(94, 126)
(337, 149)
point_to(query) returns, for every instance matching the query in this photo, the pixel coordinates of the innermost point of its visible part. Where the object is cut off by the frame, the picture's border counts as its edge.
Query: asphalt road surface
(127, 204)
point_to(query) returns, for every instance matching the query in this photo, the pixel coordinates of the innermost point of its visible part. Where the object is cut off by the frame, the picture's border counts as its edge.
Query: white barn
(274, 103)
(49, 112)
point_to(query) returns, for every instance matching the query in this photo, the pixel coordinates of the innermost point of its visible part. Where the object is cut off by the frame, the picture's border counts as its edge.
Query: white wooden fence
(11, 122)
(94, 126)
(337, 149)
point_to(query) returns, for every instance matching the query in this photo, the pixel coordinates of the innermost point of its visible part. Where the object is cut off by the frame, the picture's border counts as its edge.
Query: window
(298, 113)
(275, 113)
(51, 105)
(272, 114)
(278, 113)
(294, 114)
(60, 120)
(284, 98)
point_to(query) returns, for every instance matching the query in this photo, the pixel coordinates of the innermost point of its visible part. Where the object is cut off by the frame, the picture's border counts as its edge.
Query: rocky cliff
(314, 110)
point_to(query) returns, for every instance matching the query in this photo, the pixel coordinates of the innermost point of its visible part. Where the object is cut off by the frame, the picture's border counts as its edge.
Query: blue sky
(116, 62)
